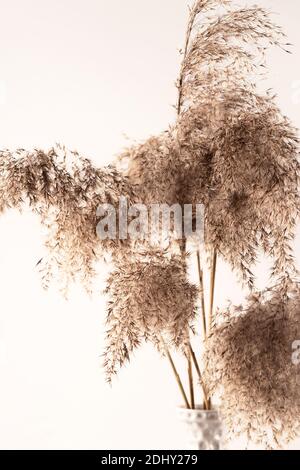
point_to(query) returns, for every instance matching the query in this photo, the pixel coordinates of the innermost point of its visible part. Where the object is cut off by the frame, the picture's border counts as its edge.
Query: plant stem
(193, 14)
(205, 394)
(192, 356)
(203, 310)
(201, 283)
(177, 377)
(191, 381)
(212, 286)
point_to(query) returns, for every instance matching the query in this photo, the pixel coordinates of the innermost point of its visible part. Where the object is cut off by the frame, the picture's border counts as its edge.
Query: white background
(86, 73)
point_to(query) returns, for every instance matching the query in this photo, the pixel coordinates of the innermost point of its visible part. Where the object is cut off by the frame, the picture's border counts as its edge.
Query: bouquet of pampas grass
(230, 150)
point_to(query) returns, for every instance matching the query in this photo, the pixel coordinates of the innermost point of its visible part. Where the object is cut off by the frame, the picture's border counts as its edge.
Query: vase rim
(197, 409)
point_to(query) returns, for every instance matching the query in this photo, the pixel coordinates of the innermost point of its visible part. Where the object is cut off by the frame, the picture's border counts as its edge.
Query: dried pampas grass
(254, 198)
(149, 299)
(249, 362)
(64, 189)
(240, 154)
(230, 148)
(152, 168)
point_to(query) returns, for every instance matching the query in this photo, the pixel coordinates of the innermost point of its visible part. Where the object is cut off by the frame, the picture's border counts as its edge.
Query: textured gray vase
(203, 429)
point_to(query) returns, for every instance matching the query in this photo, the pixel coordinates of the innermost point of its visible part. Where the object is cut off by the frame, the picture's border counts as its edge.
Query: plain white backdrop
(92, 74)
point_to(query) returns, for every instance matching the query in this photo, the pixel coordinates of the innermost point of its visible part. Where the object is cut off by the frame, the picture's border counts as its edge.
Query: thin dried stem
(191, 381)
(176, 374)
(197, 367)
(201, 283)
(212, 286)
(192, 17)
